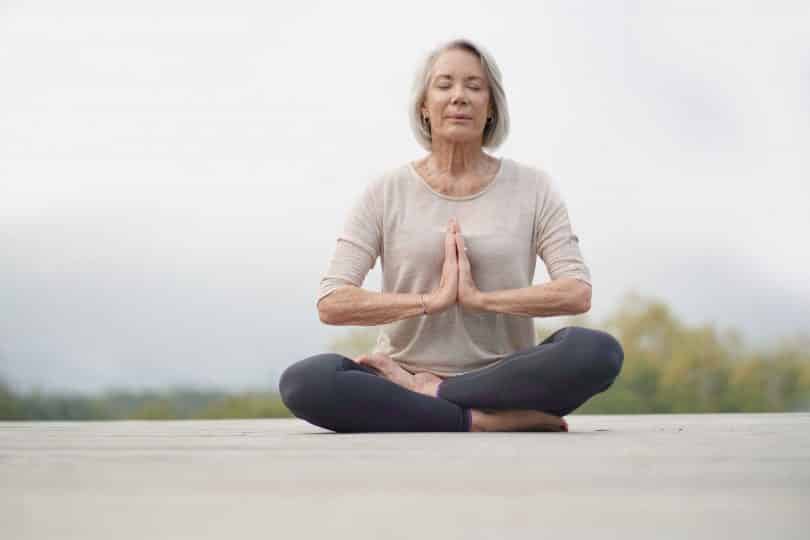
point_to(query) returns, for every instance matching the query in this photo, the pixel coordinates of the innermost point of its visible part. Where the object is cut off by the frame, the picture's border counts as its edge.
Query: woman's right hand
(447, 292)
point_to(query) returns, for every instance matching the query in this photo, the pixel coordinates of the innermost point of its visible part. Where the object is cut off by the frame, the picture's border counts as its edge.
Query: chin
(459, 136)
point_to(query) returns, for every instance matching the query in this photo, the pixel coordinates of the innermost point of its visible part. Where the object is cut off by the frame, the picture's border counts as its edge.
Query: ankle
(478, 421)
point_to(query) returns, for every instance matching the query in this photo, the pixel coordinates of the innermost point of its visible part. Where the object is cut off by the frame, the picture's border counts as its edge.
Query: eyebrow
(445, 75)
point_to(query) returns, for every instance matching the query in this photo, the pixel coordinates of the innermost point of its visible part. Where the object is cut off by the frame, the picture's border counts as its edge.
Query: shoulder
(530, 176)
(534, 173)
(381, 187)
(390, 178)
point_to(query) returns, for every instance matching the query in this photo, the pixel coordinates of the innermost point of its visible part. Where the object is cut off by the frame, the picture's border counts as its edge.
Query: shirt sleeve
(358, 245)
(555, 241)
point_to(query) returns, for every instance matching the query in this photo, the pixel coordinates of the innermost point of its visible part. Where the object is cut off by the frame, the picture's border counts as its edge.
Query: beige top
(399, 217)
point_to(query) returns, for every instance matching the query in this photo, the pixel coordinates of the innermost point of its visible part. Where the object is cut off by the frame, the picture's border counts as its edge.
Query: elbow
(585, 308)
(584, 299)
(328, 316)
(325, 316)
(580, 299)
(329, 308)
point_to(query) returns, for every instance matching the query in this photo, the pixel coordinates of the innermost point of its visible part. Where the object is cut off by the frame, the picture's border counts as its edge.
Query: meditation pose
(458, 233)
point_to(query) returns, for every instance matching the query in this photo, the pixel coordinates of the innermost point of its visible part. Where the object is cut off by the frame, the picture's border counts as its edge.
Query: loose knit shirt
(518, 216)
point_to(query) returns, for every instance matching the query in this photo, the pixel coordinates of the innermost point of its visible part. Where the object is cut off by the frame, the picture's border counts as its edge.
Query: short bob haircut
(496, 131)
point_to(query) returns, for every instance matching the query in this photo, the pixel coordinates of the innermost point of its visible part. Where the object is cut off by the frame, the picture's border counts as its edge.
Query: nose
(458, 95)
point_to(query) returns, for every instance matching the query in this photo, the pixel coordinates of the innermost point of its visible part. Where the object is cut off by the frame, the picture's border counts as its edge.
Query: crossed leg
(480, 420)
(525, 390)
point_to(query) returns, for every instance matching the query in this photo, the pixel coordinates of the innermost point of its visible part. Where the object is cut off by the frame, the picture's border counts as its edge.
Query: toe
(381, 362)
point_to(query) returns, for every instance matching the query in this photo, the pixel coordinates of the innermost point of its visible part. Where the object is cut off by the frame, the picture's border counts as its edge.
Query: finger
(461, 248)
(451, 227)
(450, 245)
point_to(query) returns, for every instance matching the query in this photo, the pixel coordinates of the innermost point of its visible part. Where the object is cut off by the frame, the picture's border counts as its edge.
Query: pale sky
(173, 174)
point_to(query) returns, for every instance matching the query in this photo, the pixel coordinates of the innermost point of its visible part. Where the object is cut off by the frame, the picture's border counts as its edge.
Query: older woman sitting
(458, 234)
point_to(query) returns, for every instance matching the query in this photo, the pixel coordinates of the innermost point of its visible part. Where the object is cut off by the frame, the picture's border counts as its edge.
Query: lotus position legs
(530, 390)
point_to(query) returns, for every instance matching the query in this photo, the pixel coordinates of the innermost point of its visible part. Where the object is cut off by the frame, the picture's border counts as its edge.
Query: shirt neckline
(501, 166)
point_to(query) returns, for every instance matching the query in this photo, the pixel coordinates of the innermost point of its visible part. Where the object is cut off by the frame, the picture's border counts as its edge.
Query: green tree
(9, 403)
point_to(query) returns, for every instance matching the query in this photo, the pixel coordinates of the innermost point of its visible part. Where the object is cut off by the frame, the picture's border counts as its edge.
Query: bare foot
(423, 382)
(427, 383)
(516, 420)
(388, 368)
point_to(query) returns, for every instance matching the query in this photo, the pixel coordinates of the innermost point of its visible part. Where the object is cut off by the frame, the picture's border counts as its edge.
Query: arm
(343, 303)
(568, 292)
(356, 252)
(563, 296)
(352, 305)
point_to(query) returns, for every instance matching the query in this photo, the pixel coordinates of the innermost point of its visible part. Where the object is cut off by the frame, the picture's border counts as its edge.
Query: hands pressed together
(457, 285)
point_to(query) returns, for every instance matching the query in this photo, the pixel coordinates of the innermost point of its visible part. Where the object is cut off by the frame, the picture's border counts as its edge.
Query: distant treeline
(669, 367)
(174, 403)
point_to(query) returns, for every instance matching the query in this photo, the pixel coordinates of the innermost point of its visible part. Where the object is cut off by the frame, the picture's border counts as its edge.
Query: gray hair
(496, 131)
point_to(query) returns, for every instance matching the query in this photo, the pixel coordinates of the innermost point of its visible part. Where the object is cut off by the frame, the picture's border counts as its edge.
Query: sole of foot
(387, 368)
(515, 420)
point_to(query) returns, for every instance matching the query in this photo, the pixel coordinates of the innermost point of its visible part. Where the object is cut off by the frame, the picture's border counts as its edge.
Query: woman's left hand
(468, 294)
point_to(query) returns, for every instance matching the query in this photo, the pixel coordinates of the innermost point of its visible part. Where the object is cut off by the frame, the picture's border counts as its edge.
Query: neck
(455, 159)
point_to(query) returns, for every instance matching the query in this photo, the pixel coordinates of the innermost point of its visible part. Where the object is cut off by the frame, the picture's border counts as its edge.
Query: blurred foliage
(176, 403)
(669, 367)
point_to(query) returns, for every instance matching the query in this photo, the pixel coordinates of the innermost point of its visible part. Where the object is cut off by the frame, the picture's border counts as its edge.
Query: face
(457, 97)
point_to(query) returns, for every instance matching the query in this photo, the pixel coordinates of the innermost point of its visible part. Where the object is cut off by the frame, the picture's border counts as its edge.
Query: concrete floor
(640, 476)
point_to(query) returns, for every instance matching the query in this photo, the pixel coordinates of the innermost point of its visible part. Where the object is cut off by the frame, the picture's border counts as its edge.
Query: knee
(301, 384)
(605, 353)
(610, 356)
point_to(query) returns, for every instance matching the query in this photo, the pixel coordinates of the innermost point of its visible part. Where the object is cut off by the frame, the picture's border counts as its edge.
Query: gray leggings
(556, 376)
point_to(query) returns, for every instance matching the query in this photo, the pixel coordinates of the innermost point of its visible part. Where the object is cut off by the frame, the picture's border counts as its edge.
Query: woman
(458, 234)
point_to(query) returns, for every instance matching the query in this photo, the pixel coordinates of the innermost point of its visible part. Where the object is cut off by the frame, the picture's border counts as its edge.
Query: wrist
(425, 301)
(433, 303)
(481, 301)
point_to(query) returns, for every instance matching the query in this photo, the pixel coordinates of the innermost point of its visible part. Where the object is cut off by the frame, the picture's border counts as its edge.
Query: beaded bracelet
(424, 306)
